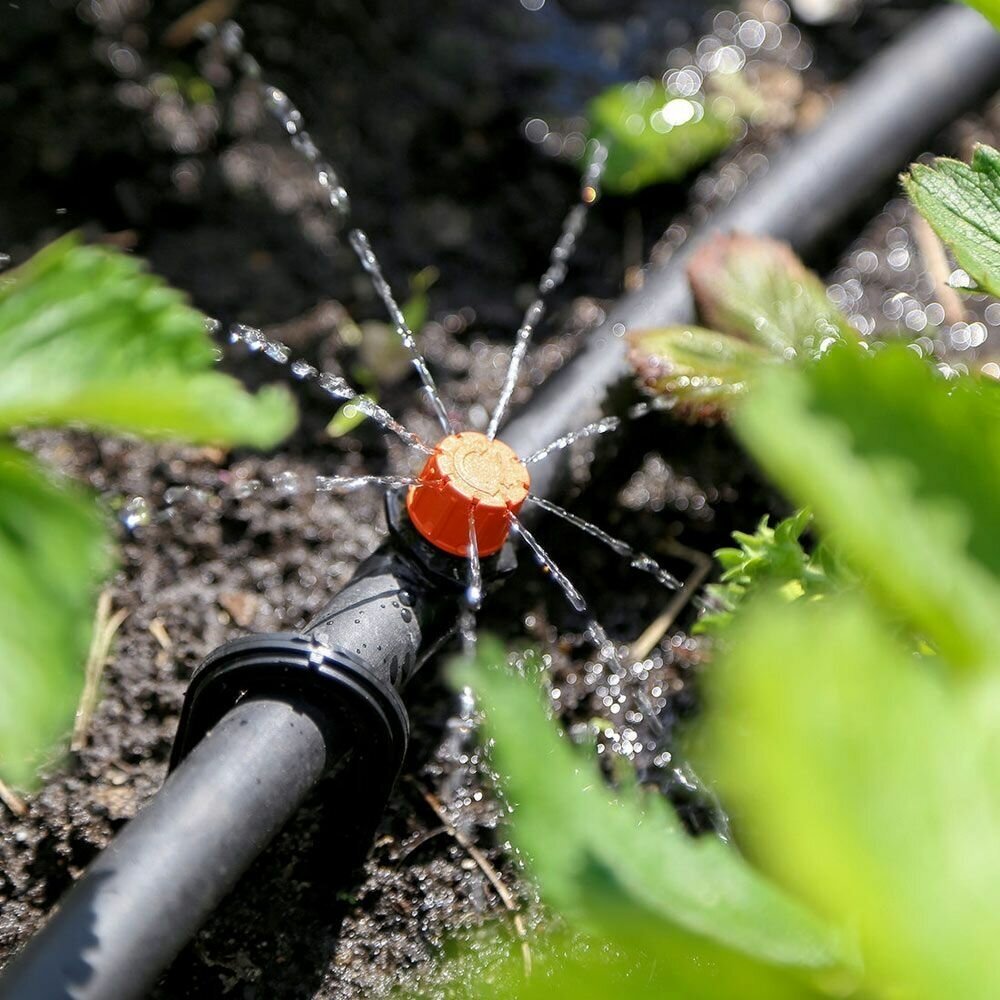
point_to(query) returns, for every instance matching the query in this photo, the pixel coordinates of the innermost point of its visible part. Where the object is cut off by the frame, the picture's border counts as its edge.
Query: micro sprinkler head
(469, 478)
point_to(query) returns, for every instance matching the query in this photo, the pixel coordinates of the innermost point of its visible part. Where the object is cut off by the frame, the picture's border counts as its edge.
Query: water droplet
(960, 278)
(137, 513)
(286, 483)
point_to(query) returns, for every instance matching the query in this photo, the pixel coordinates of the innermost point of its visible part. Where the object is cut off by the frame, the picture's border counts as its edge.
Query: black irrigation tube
(267, 717)
(908, 93)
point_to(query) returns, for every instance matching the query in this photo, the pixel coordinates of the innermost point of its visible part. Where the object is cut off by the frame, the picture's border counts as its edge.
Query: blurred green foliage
(689, 917)
(764, 307)
(901, 469)
(756, 288)
(861, 763)
(863, 778)
(383, 357)
(703, 372)
(54, 552)
(347, 418)
(852, 712)
(88, 338)
(855, 738)
(653, 136)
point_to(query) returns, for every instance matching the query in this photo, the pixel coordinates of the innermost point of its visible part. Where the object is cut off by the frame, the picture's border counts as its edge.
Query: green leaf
(346, 419)
(87, 336)
(623, 866)
(415, 309)
(574, 967)
(902, 470)
(962, 204)
(653, 136)
(771, 560)
(384, 358)
(771, 309)
(757, 288)
(704, 372)
(53, 554)
(864, 780)
(202, 408)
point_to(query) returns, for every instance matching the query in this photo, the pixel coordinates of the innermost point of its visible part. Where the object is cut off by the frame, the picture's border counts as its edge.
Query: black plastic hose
(167, 870)
(906, 94)
(329, 697)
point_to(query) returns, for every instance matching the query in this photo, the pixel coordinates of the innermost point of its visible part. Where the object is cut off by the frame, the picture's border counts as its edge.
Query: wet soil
(422, 105)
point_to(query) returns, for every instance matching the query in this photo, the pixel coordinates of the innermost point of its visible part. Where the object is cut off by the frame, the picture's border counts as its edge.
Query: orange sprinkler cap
(468, 472)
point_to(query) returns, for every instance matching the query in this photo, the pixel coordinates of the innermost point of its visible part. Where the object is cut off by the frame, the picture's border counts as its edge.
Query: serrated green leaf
(625, 864)
(703, 371)
(87, 336)
(203, 408)
(772, 560)
(863, 779)
(902, 470)
(54, 551)
(757, 288)
(962, 204)
(653, 136)
(770, 309)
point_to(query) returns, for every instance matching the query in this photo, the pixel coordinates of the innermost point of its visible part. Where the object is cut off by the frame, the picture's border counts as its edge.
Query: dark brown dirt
(421, 104)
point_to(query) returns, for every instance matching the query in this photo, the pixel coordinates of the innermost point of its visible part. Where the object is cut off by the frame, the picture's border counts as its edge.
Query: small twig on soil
(485, 866)
(657, 629)
(159, 632)
(421, 840)
(12, 800)
(932, 251)
(106, 624)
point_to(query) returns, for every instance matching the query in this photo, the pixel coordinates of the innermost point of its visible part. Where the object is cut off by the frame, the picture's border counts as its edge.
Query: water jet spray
(269, 716)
